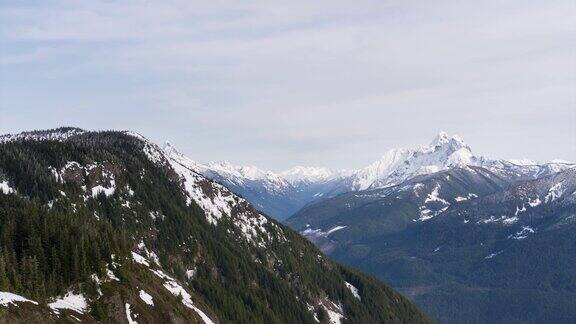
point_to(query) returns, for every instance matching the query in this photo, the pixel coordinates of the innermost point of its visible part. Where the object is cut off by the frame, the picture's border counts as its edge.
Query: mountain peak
(309, 174)
(443, 139)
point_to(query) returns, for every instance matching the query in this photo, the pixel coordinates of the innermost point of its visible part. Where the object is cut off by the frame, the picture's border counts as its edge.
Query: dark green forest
(55, 235)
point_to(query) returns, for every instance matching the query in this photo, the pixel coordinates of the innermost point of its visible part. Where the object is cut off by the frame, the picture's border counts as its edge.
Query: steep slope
(107, 227)
(496, 246)
(282, 194)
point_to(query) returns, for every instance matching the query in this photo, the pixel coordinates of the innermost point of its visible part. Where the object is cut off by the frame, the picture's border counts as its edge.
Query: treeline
(43, 252)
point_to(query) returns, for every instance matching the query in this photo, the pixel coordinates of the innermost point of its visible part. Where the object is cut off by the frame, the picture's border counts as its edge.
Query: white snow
(218, 202)
(8, 298)
(151, 150)
(433, 197)
(190, 273)
(149, 255)
(140, 259)
(319, 232)
(97, 280)
(72, 301)
(313, 311)
(426, 214)
(509, 220)
(111, 276)
(504, 219)
(491, 255)
(470, 196)
(302, 174)
(175, 289)
(554, 193)
(520, 210)
(146, 297)
(129, 315)
(335, 312)
(353, 290)
(214, 207)
(535, 202)
(523, 162)
(251, 227)
(334, 229)
(5, 187)
(523, 233)
(108, 191)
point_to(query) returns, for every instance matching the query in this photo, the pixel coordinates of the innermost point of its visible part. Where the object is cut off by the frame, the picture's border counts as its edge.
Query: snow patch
(334, 229)
(504, 219)
(535, 202)
(5, 188)
(129, 315)
(190, 273)
(8, 298)
(352, 289)
(319, 232)
(523, 233)
(335, 312)
(71, 301)
(146, 297)
(140, 259)
(433, 196)
(491, 255)
(175, 289)
(554, 193)
(111, 276)
(108, 191)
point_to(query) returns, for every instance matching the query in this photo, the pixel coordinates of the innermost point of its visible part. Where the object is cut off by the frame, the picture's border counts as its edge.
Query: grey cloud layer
(331, 83)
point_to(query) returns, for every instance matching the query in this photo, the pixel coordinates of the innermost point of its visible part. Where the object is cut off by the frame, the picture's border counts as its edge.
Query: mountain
(282, 194)
(108, 227)
(491, 243)
(276, 194)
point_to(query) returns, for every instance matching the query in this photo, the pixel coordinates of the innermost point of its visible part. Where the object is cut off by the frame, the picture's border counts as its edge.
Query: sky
(282, 83)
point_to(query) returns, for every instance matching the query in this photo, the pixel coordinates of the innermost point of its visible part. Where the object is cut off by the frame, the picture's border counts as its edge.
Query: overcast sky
(283, 83)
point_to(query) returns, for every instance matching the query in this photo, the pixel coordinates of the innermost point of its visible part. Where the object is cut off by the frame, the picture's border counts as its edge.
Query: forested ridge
(81, 204)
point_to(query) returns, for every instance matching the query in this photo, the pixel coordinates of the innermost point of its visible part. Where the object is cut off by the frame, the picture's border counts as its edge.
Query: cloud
(272, 83)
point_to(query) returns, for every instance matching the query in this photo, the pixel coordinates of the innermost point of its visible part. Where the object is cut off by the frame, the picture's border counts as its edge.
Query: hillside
(105, 227)
(466, 244)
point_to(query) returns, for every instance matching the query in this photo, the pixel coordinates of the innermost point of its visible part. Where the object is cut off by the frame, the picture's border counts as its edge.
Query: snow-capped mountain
(107, 227)
(281, 194)
(463, 234)
(305, 175)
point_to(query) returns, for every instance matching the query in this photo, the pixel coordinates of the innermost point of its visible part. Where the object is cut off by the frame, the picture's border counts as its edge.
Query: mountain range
(108, 227)
(477, 241)
(281, 194)
(469, 239)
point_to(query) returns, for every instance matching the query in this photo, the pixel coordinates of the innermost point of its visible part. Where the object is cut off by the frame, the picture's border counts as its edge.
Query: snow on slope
(72, 301)
(398, 165)
(8, 298)
(59, 134)
(303, 174)
(395, 166)
(215, 199)
(5, 188)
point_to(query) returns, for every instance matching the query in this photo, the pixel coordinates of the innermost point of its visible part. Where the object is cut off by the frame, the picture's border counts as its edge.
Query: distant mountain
(282, 194)
(279, 195)
(474, 244)
(108, 227)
